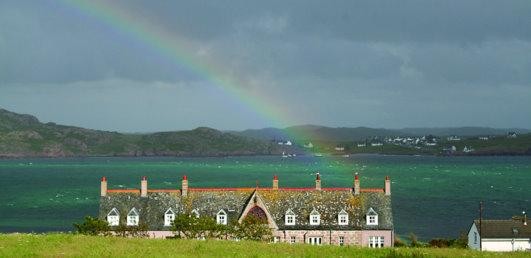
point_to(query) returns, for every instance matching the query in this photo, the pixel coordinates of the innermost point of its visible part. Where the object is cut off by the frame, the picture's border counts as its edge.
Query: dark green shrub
(92, 226)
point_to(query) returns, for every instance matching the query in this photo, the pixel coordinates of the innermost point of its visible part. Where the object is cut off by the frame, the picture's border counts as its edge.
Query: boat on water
(318, 154)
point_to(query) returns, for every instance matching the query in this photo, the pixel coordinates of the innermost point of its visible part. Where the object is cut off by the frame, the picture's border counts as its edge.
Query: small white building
(500, 235)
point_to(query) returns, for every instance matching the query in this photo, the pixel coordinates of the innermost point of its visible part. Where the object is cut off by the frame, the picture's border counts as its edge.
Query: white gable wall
(473, 243)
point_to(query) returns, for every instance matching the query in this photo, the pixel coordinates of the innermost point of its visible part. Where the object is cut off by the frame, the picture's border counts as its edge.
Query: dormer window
(195, 213)
(342, 218)
(113, 217)
(372, 217)
(315, 218)
(289, 218)
(132, 217)
(169, 216)
(221, 217)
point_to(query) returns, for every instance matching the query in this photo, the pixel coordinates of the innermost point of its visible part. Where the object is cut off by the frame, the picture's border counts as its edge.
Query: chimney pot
(143, 187)
(184, 186)
(103, 187)
(318, 182)
(356, 185)
(387, 186)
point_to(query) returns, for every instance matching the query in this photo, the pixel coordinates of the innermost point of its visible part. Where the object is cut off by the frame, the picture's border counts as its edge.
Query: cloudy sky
(370, 63)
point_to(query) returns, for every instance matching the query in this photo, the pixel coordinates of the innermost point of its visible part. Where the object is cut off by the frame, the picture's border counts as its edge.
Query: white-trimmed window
(376, 241)
(195, 213)
(292, 239)
(221, 217)
(342, 218)
(132, 217)
(341, 240)
(314, 240)
(289, 218)
(372, 217)
(113, 217)
(315, 218)
(169, 216)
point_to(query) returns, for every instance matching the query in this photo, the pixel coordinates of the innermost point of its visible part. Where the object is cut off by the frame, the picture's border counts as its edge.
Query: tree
(92, 226)
(132, 231)
(413, 241)
(193, 227)
(252, 228)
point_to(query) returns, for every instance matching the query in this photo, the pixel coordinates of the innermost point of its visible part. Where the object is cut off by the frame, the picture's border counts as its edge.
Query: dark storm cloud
(447, 62)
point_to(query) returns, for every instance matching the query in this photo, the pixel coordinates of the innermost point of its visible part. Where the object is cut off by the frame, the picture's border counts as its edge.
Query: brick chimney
(356, 185)
(103, 186)
(318, 182)
(184, 186)
(275, 182)
(387, 186)
(143, 187)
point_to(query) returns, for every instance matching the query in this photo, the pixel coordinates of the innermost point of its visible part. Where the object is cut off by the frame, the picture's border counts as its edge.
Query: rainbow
(183, 53)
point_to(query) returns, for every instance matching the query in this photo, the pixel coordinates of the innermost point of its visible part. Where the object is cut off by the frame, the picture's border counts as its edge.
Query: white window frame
(372, 217)
(113, 220)
(169, 217)
(289, 218)
(315, 218)
(342, 218)
(221, 217)
(315, 240)
(132, 220)
(341, 240)
(292, 239)
(376, 241)
(195, 212)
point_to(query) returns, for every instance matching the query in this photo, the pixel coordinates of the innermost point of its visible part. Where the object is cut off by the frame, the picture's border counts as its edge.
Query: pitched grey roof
(208, 202)
(512, 228)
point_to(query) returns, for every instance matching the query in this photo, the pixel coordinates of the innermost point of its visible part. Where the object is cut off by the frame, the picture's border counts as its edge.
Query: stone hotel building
(313, 215)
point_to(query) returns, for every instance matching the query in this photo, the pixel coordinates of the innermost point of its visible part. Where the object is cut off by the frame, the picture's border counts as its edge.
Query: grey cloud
(373, 63)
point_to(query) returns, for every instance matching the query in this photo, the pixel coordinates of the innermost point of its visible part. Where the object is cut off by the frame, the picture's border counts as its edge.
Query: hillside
(320, 133)
(24, 136)
(345, 134)
(70, 245)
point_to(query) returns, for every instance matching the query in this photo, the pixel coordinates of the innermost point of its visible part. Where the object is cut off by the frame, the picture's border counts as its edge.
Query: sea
(431, 196)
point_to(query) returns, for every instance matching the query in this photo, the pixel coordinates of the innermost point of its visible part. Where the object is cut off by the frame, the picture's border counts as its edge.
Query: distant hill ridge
(341, 134)
(24, 136)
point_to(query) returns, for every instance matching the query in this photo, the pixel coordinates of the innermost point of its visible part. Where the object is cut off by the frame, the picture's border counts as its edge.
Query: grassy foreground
(69, 245)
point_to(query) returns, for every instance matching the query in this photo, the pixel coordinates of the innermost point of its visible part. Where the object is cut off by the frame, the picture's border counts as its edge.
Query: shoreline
(503, 154)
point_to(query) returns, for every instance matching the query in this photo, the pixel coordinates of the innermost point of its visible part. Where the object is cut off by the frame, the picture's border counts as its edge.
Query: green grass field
(70, 245)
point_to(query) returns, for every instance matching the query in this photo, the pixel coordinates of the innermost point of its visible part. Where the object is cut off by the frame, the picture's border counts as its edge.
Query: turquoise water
(432, 196)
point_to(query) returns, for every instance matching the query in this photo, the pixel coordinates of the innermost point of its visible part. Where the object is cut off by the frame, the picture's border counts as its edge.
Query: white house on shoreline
(500, 235)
